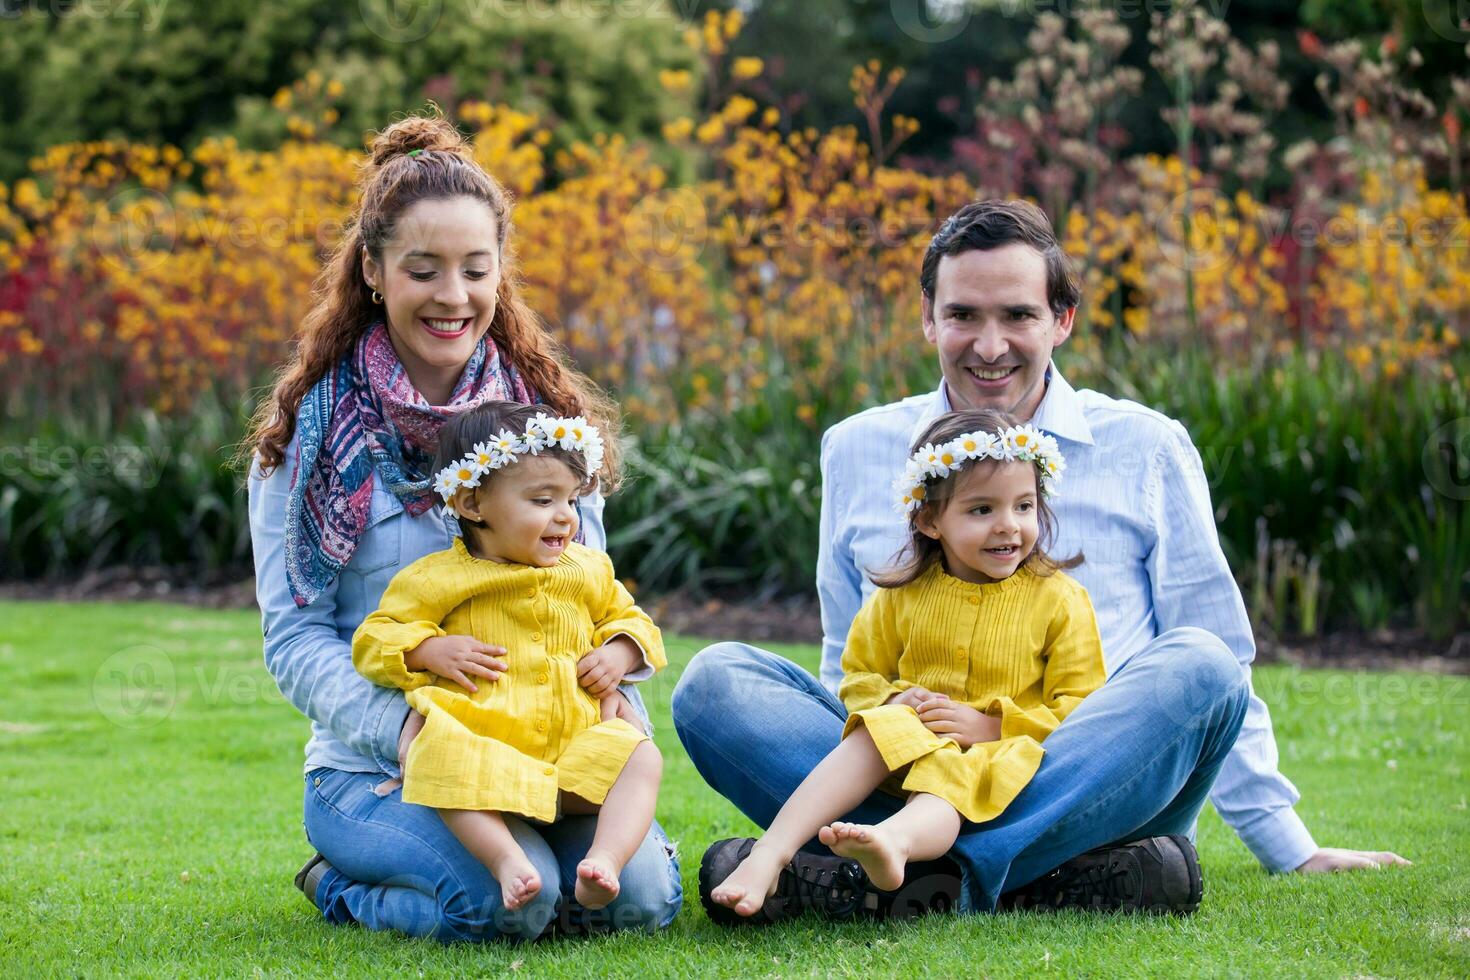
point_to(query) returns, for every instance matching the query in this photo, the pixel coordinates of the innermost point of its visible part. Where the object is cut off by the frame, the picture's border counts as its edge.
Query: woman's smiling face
(438, 276)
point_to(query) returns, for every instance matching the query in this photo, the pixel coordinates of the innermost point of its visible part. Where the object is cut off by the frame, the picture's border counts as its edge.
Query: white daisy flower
(445, 483)
(467, 473)
(508, 446)
(485, 455)
(930, 464)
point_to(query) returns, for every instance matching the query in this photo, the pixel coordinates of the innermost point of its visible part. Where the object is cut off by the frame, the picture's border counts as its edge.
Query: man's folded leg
(1135, 759)
(755, 725)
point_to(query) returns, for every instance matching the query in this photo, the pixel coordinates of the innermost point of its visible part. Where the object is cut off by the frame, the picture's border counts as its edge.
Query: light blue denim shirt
(354, 723)
(1136, 503)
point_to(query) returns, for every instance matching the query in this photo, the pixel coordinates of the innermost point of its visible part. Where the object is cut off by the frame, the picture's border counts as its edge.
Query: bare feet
(749, 885)
(877, 851)
(597, 881)
(519, 882)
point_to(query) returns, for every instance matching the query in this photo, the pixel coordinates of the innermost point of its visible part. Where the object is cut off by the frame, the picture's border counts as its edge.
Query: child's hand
(914, 697)
(602, 670)
(412, 725)
(456, 658)
(616, 705)
(959, 721)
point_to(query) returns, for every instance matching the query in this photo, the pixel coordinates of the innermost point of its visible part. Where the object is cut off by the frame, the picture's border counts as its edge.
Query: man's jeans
(1135, 759)
(396, 866)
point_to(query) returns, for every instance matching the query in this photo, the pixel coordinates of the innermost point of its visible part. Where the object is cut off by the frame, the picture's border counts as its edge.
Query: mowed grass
(150, 823)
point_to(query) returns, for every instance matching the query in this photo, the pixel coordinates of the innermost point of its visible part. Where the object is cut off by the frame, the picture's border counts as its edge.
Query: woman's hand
(958, 721)
(603, 669)
(456, 658)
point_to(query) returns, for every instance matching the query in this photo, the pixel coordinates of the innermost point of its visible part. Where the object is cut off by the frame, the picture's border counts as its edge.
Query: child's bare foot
(597, 882)
(519, 882)
(876, 851)
(750, 884)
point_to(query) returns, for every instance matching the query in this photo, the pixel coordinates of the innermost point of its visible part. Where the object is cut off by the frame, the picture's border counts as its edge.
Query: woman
(417, 319)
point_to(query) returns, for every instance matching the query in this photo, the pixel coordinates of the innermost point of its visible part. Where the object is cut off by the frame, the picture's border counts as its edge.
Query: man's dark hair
(985, 225)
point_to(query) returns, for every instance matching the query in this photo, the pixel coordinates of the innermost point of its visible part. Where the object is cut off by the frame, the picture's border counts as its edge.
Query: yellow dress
(1025, 648)
(514, 744)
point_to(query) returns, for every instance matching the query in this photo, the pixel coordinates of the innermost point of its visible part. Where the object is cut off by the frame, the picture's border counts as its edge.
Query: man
(1135, 762)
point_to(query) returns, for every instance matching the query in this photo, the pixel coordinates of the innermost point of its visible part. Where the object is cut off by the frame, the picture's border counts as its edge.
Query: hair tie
(414, 153)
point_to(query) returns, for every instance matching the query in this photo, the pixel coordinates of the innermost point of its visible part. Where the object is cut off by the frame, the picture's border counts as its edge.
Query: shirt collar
(1060, 412)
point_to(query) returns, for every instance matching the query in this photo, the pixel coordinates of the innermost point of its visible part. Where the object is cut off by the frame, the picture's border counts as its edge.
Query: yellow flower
(746, 68)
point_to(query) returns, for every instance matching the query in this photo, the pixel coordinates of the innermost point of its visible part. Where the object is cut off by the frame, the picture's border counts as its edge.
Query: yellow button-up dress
(1025, 649)
(516, 743)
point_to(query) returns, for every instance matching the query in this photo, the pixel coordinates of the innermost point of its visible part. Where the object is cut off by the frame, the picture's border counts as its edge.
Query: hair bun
(417, 133)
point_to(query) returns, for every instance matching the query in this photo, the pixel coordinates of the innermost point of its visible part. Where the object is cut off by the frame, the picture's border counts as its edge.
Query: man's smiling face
(995, 332)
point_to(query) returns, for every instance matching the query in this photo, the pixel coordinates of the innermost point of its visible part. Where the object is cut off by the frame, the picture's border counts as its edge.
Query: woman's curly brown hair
(391, 181)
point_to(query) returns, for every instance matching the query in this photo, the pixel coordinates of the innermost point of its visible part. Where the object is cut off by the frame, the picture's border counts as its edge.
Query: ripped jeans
(396, 866)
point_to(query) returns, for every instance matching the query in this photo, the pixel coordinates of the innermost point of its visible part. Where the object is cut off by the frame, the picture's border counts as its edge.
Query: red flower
(1310, 43)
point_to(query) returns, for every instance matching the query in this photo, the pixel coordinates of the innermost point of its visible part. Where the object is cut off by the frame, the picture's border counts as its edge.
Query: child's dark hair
(921, 552)
(485, 422)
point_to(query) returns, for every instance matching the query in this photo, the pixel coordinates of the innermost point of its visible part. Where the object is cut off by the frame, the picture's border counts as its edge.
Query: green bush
(1318, 474)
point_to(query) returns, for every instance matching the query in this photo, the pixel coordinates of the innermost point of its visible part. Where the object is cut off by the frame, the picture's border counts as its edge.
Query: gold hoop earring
(377, 298)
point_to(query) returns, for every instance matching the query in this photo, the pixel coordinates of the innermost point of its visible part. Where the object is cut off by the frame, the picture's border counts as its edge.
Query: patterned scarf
(365, 415)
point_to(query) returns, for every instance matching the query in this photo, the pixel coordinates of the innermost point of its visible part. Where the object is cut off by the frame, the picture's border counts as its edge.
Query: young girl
(963, 660)
(528, 734)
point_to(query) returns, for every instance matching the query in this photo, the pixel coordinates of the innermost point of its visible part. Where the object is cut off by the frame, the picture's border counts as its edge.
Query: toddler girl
(964, 659)
(534, 733)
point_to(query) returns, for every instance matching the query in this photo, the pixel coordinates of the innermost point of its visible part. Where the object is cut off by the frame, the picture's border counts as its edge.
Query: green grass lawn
(159, 836)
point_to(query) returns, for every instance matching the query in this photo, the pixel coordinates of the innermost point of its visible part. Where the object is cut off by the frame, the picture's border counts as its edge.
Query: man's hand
(412, 725)
(914, 697)
(1341, 859)
(603, 669)
(456, 658)
(958, 721)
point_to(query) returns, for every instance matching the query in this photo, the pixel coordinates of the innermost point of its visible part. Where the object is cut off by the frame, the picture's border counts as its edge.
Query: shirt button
(536, 637)
(540, 726)
(961, 652)
(550, 770)
(973, 600)
(541, 678)
(530, 593)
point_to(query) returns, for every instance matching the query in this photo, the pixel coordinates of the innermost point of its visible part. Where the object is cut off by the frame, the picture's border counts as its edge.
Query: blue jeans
(1135, 759)
(396, 866)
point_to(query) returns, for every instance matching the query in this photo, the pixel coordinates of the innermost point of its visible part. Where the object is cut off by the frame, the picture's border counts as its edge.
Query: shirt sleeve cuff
(390, 726)
(644, 672)
(1280, 840)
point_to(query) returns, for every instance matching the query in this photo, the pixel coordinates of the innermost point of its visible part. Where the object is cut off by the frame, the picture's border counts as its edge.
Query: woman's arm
(311, 664)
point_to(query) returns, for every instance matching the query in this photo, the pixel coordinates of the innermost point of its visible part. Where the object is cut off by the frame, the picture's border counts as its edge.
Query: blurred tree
(174, 71)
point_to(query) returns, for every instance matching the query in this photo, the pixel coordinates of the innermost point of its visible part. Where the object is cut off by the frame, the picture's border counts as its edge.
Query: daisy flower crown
(1019, 443)
(542, 433)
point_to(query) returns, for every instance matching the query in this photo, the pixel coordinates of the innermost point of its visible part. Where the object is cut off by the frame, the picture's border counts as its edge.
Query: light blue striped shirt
(1136, 502)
